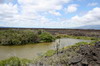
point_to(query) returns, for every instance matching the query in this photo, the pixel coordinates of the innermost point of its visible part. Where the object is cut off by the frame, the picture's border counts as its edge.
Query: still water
(31, 51)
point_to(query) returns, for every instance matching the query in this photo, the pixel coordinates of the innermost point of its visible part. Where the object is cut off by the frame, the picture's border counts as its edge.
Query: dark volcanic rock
(90, 54)
(75, 59)
(97, 44)
(85, 55)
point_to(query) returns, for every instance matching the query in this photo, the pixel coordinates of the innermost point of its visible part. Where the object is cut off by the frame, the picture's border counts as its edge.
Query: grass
(76, 37)
(14, 61)
(79, 44)
(49, 53)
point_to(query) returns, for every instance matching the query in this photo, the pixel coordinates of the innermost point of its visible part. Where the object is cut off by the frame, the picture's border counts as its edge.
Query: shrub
(46, 37)
(18, 37)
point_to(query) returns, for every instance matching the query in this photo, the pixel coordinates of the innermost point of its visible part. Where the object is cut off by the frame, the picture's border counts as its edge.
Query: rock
(75, 59)
(90, 54)
(84, 61)
(97, 44)
(87, 55)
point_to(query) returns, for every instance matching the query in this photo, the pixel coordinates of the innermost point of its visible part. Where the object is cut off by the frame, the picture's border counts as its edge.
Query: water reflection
(31, 51)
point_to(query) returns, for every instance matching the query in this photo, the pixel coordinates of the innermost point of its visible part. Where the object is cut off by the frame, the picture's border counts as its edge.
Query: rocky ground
(83, 55)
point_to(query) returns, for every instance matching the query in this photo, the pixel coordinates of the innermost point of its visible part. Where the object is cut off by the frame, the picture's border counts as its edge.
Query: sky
(49, 13)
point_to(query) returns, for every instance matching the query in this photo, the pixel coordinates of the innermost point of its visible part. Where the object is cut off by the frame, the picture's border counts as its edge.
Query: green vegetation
(46, 37)
(17, 37)
(50, 53)
(20, 37)
(14, 61)
(76, 37)
(77, 45)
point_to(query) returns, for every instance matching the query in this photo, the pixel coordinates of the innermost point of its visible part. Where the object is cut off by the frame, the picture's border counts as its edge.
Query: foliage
(19, 37)
(62, 36)
(58, 36)
(14, 61)
(46, 37)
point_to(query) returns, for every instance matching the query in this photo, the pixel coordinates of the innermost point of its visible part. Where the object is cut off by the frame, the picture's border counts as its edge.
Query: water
(31, 51)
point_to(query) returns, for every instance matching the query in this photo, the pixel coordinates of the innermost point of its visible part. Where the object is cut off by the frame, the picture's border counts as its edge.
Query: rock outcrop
(86, 55)
(90, 56)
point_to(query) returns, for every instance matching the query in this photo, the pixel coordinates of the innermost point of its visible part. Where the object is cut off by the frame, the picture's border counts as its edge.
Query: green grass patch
(14, 61)
(50, 53)
(77, 45)
(76, 37)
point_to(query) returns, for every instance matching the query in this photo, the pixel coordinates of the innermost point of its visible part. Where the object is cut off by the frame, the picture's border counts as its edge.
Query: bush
(18, 37)
(46, 37)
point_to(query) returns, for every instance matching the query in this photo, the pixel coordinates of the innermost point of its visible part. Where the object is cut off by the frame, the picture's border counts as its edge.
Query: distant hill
(89, 27)
(9, 27)
(96, 27)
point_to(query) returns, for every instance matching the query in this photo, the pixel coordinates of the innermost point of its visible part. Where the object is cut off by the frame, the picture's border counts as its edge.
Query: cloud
(55, 13)
(93, 4)
(7, 12)
(71, 8)
(42, 5)
(30, 13)
(90, 18)
(27, 13)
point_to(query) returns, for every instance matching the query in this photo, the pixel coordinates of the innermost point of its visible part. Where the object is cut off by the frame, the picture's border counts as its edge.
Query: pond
(31, 51)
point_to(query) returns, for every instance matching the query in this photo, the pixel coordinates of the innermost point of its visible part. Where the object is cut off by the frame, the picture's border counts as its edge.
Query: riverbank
(30, 51)
(81, 53)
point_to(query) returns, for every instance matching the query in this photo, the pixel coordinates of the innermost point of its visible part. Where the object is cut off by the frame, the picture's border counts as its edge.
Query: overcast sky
(49, 13)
